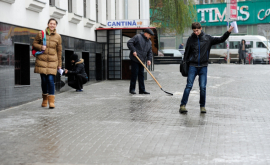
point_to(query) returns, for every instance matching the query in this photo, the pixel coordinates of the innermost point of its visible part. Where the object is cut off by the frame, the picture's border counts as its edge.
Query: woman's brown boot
(51, 101)
(45, 100)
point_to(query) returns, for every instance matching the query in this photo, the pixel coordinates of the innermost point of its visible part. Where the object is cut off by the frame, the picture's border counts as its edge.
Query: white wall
(17, 14)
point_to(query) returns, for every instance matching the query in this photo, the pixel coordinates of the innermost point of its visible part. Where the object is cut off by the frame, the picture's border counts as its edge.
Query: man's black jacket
(142, 46)
(78, 68)
(198, 48)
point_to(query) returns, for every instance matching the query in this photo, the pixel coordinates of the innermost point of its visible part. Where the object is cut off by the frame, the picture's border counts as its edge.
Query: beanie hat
(74, 57)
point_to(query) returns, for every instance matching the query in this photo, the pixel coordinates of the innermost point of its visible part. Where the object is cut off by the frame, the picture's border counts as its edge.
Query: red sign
(233, 9)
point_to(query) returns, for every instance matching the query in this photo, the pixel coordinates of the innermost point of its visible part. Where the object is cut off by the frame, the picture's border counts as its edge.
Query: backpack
(34, 51)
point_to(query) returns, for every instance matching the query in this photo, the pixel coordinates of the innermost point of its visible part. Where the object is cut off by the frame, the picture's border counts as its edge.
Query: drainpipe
(126, 9)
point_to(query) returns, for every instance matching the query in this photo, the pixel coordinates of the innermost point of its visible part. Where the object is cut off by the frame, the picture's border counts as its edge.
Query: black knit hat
(74, 57)
(149, 31)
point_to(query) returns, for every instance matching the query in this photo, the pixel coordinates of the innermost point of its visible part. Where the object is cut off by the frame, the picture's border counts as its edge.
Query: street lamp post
(228, 26)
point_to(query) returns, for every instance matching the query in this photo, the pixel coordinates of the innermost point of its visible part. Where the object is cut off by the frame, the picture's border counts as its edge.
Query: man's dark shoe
(132, 92)
(183, 109)
(144, 92)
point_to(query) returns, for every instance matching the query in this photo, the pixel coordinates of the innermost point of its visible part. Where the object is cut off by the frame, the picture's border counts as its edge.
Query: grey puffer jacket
(198, 48)
(142, 46)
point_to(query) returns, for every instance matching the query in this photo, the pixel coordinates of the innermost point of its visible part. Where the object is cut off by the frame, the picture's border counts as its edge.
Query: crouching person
(76, 76)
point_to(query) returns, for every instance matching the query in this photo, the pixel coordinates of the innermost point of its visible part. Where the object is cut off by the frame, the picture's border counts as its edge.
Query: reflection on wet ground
(106, 125)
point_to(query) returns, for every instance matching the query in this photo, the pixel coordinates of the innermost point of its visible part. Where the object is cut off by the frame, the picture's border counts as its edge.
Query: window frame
(84, 9)
(52, 2)
(70, 6)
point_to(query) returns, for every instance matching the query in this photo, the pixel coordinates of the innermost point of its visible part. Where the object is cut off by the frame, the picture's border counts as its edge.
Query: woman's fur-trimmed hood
(80, 61)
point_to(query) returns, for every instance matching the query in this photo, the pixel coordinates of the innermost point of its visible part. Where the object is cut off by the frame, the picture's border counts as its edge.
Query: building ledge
(8, 1)
(88, 22)
(35, 5)
(74, 18)
(100, 25)
(56, 12)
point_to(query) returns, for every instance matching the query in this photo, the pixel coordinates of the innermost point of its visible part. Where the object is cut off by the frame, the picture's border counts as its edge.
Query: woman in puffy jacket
(48, 62)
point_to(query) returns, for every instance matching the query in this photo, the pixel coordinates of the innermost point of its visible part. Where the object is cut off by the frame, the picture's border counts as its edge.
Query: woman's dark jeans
(137, 70)
(47, 84)
(192, 73)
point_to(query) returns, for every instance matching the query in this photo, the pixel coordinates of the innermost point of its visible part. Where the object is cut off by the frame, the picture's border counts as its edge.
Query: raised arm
(217, 40)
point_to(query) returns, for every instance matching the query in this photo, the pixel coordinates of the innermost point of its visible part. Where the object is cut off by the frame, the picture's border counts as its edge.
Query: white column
(133, 9)
(102, 11)
(79, 7)
(111, 9)
(120, 9)
(62, 4)
(92, 10)
(145, 9)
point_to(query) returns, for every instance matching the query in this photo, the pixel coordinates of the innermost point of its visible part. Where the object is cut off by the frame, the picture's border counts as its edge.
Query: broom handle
(148, 71)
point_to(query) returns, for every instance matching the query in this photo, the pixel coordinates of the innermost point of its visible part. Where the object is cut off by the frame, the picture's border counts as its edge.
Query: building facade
(78, 20)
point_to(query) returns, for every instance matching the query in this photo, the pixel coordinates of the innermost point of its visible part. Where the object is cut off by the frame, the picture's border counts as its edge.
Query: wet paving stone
(106, 125)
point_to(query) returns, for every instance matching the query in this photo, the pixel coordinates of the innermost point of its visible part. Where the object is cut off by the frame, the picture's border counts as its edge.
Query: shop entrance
(118, 62)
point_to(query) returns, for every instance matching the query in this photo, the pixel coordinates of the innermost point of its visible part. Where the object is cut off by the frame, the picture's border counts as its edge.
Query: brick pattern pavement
(106, 125)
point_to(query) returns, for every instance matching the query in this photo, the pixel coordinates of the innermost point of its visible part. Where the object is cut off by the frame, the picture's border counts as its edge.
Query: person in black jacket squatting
(141, 46)
(76, 76)
(197, 54)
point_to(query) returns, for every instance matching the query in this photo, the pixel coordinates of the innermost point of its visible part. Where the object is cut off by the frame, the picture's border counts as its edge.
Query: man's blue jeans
(137, 70)
(192, 73)
(47, 83)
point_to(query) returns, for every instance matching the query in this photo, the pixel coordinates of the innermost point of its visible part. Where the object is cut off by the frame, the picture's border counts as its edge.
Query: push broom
(152, 76)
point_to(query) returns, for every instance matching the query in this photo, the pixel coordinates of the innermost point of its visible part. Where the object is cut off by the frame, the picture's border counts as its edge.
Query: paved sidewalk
(106, 125)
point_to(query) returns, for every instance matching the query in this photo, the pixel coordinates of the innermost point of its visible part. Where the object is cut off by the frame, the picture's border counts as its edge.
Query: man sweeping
(141, 46)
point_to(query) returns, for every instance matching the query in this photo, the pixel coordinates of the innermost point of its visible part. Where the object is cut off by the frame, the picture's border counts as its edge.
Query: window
(96, 10)
(70, 6)
(84, 8)
(234, 44)
(249, 44)
(107, 13)
(220, 46)
(260, 45)
(52, 2)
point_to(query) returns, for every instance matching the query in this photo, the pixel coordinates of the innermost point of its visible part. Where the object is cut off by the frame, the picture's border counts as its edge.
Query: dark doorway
(98, 66)
(126, 69)
(22, 64)
(85, 56)
(68, 54)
